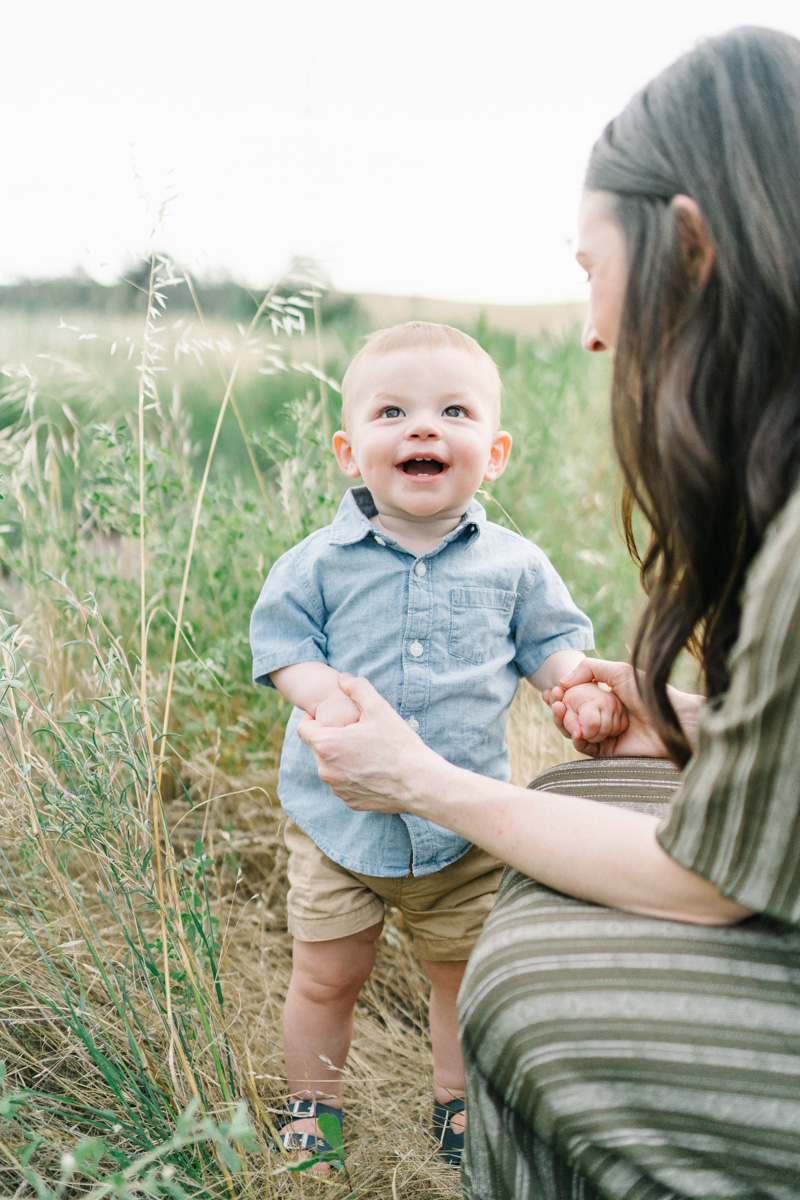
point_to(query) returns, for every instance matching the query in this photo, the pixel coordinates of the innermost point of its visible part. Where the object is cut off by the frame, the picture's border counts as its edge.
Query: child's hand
(337, 710)
(594, 713)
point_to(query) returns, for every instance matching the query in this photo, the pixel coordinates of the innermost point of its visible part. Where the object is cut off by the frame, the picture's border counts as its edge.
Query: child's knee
(330, 972)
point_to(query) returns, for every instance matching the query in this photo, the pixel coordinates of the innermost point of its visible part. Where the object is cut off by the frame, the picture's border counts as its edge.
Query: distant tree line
(224, 298)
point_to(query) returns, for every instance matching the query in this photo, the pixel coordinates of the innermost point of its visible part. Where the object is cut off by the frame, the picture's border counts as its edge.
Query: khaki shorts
(444, 912)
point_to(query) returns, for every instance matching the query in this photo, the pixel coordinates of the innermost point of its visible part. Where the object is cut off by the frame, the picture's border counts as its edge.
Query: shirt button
(416, 648)
(380, 541)
(413, 724)
(420, 568)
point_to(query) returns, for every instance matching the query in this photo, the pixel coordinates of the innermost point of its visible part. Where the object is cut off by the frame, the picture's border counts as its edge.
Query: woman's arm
(593, 851)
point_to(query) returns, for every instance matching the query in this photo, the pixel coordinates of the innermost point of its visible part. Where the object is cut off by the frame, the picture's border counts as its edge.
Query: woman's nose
(590, 339)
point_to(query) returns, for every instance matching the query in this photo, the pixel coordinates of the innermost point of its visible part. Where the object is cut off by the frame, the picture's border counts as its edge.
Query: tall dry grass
(144, 951)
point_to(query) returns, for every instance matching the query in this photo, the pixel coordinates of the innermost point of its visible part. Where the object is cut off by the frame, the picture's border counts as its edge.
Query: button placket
(416, 665)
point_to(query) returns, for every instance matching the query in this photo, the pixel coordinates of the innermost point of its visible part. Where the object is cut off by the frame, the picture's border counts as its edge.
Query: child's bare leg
(318, 1014)
(448, 1066)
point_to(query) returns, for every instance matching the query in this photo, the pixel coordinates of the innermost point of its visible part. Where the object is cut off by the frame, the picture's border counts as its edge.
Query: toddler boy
(442, 611)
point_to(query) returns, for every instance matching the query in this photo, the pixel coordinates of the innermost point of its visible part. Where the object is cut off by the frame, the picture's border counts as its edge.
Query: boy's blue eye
(392, 412)
(454, 410)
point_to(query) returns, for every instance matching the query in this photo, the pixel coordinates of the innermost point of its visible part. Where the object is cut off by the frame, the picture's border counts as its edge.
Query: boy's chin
(425, 508)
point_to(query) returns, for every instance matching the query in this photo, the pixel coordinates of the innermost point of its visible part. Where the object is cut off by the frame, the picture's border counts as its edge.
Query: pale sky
(419, 147)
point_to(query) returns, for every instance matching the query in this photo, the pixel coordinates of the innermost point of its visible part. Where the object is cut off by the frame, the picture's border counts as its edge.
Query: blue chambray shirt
(444, 637)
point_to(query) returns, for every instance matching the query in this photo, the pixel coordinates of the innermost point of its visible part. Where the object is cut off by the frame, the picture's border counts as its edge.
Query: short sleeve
(287, 625)
(547, 620)
(735, 819)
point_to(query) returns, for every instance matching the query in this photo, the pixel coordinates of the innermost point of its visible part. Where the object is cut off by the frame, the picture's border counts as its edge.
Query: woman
(631, 1014)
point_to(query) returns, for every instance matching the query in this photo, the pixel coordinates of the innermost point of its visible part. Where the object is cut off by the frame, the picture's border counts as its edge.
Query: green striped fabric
(615, 1055)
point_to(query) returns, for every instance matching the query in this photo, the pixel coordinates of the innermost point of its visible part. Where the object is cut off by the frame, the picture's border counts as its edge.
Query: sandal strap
(294, 1139)
(443, 1111)
(451, 1143)
(311, 1108)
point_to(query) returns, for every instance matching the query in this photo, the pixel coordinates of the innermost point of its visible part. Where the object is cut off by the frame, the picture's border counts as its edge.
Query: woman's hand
(374, 764)
(639, 739)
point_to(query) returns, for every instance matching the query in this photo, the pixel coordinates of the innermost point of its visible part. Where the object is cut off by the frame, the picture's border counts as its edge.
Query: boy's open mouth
(422, 466)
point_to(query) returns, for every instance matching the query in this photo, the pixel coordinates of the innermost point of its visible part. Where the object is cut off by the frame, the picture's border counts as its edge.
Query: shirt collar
(352, 522)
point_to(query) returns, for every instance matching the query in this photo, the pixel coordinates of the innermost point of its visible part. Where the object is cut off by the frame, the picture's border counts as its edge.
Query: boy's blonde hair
(419, 335)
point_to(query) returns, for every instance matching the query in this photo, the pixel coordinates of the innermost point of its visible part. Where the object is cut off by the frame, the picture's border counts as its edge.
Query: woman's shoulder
(774, 574)
(786, 525)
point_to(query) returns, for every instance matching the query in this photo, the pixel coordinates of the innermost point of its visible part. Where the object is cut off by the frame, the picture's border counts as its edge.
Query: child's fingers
(590, 715)
(612, 721)
(566, 720)
(573, 724)
(619, 723)
(559, 711)
(618, 718)
(608, 722)
(590, 719)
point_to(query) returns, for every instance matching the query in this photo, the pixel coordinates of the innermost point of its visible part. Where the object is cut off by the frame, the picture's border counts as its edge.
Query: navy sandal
(451, 1143)
(293, 1140)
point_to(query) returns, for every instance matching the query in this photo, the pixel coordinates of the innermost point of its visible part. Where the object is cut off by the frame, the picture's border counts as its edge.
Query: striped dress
(619, 1056)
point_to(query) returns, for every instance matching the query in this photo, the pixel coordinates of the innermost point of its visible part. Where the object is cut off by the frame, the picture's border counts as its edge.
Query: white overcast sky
(418, 147)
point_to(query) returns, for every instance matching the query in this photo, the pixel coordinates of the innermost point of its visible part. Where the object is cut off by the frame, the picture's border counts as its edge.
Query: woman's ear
(697, 245)
(501, 448)
(344, 454)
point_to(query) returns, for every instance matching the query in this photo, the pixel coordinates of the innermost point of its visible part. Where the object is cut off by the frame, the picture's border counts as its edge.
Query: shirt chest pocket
(480, 623)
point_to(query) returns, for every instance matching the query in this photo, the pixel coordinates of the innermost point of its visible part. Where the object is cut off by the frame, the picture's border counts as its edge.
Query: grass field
(151, 472)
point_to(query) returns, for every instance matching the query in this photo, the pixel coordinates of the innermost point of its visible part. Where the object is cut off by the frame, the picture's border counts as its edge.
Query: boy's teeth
(429, 466)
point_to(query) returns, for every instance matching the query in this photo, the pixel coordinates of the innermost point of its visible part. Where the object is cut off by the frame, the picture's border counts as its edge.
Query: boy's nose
(423, 427)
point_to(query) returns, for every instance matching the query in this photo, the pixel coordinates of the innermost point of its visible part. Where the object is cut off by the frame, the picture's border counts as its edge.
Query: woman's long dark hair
(706, 391)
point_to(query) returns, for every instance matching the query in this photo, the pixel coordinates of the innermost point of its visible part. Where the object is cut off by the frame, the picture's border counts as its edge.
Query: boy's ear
(501, 448)
(344, 454)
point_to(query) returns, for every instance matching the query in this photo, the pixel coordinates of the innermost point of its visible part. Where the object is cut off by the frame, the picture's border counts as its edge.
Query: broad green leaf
(331, 1130)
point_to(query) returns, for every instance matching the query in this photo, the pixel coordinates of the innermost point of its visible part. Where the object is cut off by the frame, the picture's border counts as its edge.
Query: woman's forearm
(598, 852)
